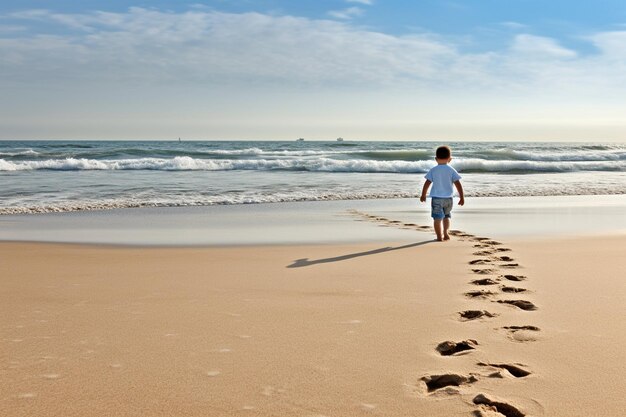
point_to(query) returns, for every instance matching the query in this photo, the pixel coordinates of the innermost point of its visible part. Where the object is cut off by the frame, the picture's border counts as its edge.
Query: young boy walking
(442, 177)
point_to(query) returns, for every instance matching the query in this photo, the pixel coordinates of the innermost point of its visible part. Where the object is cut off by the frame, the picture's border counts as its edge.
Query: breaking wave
(185, 163)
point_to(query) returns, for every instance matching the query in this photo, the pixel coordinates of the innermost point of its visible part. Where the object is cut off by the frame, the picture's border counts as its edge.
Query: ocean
(63, 176)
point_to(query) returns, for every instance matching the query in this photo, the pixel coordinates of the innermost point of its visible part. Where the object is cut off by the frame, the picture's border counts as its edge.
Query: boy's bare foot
(446, 237)
(439, 239)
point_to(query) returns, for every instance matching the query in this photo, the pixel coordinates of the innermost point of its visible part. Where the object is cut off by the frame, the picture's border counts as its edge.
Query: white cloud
(611, 43)
(221, 47)
(514, 25)
(349, 13)
(539, 46)
(214, 59)
(211, 47)
(366, 2)
(11, 28)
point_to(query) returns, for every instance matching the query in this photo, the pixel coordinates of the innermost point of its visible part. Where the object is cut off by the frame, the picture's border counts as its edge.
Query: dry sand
(327, 330)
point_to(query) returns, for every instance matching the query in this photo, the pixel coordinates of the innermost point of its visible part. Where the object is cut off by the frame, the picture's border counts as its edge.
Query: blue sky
(366, 69)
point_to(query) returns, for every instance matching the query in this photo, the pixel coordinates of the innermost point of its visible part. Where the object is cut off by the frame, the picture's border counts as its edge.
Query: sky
(318, 69)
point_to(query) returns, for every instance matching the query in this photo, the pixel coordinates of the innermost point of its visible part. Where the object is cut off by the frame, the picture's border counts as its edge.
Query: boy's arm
(425, 190)
(459, 188)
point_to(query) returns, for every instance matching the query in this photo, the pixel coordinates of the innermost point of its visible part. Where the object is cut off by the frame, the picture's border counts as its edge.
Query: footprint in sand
(504, 258)
(513, 289)
(518, 328)
(484, 271)
(522, 333)
(521, 304)
(437, 382)
(516, 369)
(484, 281)
(480, 261)
(516, 278)
(449, 348)
(511, 265)
(492, 243)
(475, 314)
(483, 253)
(479, 294)
(491, 404)
(502, 249)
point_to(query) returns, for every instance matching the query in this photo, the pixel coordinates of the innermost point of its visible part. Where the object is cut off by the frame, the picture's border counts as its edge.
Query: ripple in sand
(212, 373)
(351, 322)
(51, 376)
(27, 395)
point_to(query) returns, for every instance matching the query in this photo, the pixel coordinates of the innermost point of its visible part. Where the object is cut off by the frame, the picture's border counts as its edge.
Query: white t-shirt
(442, 177)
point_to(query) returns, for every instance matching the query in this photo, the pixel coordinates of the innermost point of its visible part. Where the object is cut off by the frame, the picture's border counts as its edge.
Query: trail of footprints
(492, 266)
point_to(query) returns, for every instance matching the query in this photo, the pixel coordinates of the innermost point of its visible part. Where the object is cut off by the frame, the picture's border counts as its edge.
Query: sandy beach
(316, 330)
(215, 208)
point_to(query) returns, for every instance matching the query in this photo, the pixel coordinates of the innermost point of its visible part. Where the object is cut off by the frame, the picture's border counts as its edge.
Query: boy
(442, 177)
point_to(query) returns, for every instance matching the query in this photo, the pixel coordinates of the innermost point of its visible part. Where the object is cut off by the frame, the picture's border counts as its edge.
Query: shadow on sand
(299, 263)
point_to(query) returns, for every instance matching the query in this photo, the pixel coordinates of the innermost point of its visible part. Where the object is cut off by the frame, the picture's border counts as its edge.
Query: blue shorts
(441, 208)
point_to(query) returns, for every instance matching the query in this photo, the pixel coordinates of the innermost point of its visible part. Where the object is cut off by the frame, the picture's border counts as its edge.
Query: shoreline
(321, 222)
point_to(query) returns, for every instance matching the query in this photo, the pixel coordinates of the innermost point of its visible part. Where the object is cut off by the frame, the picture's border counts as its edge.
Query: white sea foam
(495, 189)
(26, 152)
(556, 156)
(185, 163)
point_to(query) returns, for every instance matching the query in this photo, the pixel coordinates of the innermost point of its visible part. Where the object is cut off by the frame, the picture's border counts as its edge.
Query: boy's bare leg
(446, 226)
(437, 226)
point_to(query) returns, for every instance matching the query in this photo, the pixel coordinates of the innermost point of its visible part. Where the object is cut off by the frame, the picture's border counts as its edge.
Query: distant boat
(300, 140)
(179, 139)
(339, 139)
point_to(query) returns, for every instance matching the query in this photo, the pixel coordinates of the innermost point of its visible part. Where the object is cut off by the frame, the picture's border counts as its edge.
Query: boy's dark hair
(443, 152)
